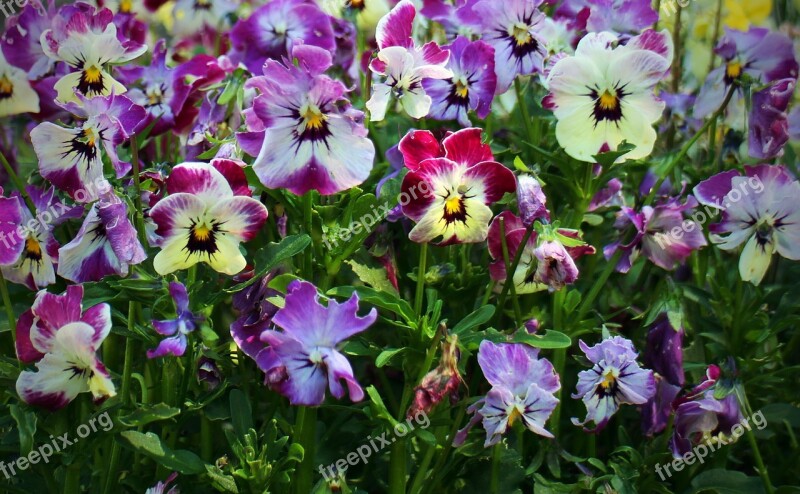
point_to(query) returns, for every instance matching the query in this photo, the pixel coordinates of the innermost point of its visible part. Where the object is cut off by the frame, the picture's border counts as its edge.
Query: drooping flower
(759, 53)
(702, 418)
(531, 200)
(661, 233)
(664, 351)
(401, 65)
(303, 359)
(16, 94)
(603, 95)
(302, 138)
(70, 158)
(472, 86)
(205, 217)
(87, 40)
(272, 30)
(769, 124)
(615, 379)
(657, 411)
(440, 383)
(255, 314)
(513, 28)
(523, 387)
(760, 210)
(176, 329)
(63, 341)
(28, 249)
(105, 245)
(449, 190)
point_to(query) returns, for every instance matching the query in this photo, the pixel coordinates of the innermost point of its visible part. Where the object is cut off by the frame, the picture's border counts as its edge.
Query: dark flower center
(313, 123)
(91, 81)
(454, 207)
(85, 144)
(608, 104)
(202, 238)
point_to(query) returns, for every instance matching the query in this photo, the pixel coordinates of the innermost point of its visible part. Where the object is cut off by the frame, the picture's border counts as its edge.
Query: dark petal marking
(6, 88)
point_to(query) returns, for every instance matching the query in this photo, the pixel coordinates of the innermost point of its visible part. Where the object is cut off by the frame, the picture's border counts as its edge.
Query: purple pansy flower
(70, 158)
(471, 87)
(763, 55)
(661, 234)
(303, 359)
(401, 65)
(656, 412)
(615, 379)
(303, 131)
(769, 123)
(63, 341)
(702, 418)
(664, 351)
(760, 210)
(21, 42)
(105, 245)
(523, 387)
(794, 123)
(272, 30)
(176, 329)
(513, 28)
(619, 16)
(255, 314)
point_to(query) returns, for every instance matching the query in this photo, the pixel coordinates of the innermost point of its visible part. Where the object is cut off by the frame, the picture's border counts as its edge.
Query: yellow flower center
(125, 6)
(608, 101)
(32, 248)
(608, 380)
(202, 233)
(521, 33)
(92, 75)
(733, 70)
(514, 415)
(6, 87)
(462, 89)
(453, 205)
(314, 118)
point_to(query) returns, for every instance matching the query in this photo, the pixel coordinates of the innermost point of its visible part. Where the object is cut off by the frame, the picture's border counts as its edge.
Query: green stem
(306, 429)
(523, 108)
(494, 487)
(12, 321)
(397, 467)
(18, 184)
(137, 185)
(599, 283)
(717, 22)
(422, 472)
(509, 272)
(308, 205)
(423, 259)
(72, 480)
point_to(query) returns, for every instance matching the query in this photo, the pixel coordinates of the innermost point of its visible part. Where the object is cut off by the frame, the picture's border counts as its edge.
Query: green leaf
(26, 425)
(374, 277)
(386, 356)
(722, 481)
(379, 407)
(272, 255)
(475, 319)
(383, 300)
(220, 481)
(609, 158)
(151, 445)
(550, 339)
(241, 413)
(148, 413)
(520, 165)
(281, 282)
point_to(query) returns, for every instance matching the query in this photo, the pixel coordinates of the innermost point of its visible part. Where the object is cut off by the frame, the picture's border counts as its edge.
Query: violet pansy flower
(615, 379)
(769, 123)
(175, 329)
(304, 359)
(702, 418)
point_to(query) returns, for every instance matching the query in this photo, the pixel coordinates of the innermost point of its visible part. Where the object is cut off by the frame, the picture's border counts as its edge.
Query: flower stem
(397, 468)
(137, 197)
(12, 321)
(494, 486)
(510, 273)
(523, 108)
(598, 285)
(423, 259)
(308, 205)
(306, 431)
(18, 183)
(513, 268)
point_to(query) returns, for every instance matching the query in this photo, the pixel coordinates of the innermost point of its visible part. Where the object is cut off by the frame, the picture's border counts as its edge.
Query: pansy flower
(21, 42)
(176, 329)
(28, 249)
(471, 87)
(16, 94)
(105, 245)
(513, 28)
(523, 387)
(657, 411)
(701, 419)
(62, 340)
(769, 123)
(451, 186)
(304, 133)
(255, 313)
(207, 213)
(201, 17)
(664, 351)
(304, 359)
(759, 53)
(71, 157)
(760, 210)
(401, 65)
(272, 30)
(603, 95)
(87, 40)
(615, 379)
(619, 16)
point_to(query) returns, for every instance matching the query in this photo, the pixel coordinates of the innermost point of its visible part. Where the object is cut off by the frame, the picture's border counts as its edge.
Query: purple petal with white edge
(417, 146)
(241, 217)
(466, 148)
(712, 191)
(495, 413)
(26, 352)
(233, 171)
(200, 179)
(176, 213)
(339, 369)
(53, 312)
(99, 318)
(515, 366)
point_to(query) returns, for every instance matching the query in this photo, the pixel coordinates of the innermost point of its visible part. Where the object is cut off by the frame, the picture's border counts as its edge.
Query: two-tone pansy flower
(16, 94)
(614, 380)
(471, 87)
(603, 95)
(71, 157)
(523, 387)
(87, 40)
(304, 359)
(28, 249)
(401, 65)
(105, 245)
(205, 217)
(513, 29)
(303, 132)
(451, 185)
(176, 329)
(760, 210)
(63, 341)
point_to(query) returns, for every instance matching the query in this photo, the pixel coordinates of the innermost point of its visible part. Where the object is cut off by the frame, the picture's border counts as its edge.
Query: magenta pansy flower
(63, 340)
(304, 358)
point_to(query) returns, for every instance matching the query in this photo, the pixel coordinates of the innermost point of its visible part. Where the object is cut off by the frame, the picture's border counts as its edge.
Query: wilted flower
(531, 200)
(208, 373)
(401, 65)
(449, 196)
(759, 209)
(175, 329)
(769, 123)
(616, 379)
(656, 412)
(523, 387)
(63, 341)
(664, 351)
(303, 359)
(441, 382)
(603, 95)
(255, 314)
